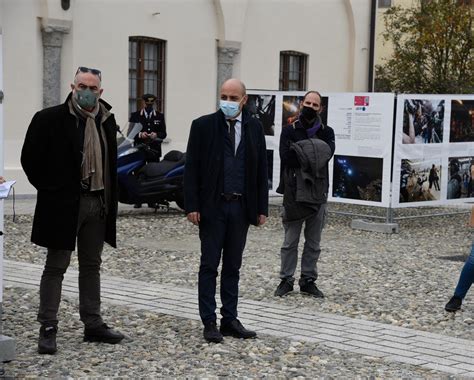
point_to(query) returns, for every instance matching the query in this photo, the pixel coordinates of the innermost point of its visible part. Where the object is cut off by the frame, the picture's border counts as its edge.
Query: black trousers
(90, 242)
(225, 235)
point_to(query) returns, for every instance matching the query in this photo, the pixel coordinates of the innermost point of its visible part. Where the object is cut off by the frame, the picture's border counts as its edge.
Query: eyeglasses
(83, 69)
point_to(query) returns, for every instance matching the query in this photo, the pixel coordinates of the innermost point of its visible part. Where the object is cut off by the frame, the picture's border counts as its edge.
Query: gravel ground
(162, 346)
(402, 279)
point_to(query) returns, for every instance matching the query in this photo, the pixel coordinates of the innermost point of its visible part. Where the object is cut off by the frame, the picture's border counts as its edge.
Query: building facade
(181, 50)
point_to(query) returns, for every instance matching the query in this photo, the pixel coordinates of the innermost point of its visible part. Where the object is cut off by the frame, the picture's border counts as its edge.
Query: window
(146, 71)
(293, 71)
(385, 3)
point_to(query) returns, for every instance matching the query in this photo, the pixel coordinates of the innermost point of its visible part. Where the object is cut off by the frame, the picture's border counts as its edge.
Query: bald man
(226, 189)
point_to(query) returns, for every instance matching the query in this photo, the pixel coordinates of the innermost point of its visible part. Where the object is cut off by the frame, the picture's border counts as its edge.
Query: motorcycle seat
(171, 160)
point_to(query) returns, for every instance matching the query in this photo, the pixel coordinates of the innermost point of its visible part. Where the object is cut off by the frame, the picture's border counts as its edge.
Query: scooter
(155, 183)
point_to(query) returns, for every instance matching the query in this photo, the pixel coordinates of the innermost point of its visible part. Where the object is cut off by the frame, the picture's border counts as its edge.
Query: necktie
(232, 133)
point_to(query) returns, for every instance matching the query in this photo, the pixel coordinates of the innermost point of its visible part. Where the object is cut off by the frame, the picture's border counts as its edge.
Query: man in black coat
(308, 126)
(226, 189)
(70, 157)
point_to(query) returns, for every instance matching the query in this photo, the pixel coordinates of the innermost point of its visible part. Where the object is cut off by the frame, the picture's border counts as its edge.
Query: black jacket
(296, 132)
(204, 170)
(51, 159)
(155, 123)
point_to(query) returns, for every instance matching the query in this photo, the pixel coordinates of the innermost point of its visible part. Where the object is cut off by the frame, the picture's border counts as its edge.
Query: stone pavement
(392, 343)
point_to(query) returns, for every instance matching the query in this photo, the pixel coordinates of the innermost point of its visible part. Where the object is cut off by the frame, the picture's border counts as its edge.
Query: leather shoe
(103, 334)
(236, 330)
(47, 340)
(211, 334)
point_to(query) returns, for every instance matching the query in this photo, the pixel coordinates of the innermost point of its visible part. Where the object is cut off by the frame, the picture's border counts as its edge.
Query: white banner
(362, 122)
(434, 150)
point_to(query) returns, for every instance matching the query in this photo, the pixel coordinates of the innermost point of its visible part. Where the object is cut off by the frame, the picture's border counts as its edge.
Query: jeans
(90, 242)
(311, 251)
(467, 276)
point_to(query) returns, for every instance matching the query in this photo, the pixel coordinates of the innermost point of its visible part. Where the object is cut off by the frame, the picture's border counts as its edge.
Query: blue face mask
(230, 109)
(86, 98)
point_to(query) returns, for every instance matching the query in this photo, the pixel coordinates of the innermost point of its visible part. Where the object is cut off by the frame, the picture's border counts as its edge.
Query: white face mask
(230, 109)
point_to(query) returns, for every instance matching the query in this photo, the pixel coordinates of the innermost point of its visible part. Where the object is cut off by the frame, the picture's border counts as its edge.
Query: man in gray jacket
(306, 146)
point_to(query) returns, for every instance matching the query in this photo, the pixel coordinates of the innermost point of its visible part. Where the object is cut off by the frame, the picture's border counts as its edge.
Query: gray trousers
(90, 242)
(311, 251)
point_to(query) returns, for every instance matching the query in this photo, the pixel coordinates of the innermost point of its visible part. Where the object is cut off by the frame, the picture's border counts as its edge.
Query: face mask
(86, 98)
(309, 113)
(230, 109)
(149, 108)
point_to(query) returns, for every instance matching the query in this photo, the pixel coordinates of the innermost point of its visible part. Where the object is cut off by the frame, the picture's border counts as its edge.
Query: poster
(359, 172)
(362, 124)
(433, 150)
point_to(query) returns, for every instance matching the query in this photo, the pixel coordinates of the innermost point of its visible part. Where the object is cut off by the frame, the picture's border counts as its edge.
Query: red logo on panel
(361, 100)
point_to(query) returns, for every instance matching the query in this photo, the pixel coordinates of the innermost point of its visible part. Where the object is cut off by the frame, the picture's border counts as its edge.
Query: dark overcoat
(51, 159)
(204, 170)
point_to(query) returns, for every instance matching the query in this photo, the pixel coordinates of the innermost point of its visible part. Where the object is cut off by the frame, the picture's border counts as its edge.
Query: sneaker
(454, 304)
(47, 340)
(309, 288)
(285, 287)
(211, 334)
(103, 334)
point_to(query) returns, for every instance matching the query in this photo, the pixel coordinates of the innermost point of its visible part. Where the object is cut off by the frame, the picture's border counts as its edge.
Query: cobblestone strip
(392, 343)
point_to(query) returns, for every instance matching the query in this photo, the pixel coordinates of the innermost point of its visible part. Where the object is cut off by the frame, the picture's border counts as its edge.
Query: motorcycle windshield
(132, 130)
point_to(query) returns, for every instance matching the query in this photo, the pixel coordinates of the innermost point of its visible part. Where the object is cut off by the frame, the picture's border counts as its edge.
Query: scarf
(92, 164)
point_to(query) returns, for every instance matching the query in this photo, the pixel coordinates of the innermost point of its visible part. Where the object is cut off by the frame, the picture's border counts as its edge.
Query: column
(53, 32)
(226, 56)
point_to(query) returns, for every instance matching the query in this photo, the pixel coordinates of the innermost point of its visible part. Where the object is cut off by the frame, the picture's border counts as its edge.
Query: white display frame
(371, 139)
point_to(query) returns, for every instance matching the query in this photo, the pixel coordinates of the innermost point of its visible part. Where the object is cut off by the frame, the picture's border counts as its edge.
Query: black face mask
(149, 108)
(309, 113)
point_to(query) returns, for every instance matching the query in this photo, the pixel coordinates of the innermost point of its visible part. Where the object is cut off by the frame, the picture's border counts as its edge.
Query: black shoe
(137, 205)
(47, 340)
(211, 334)
(236, 330)
(285, 287)
(102, 334)
(309, 288)
(454, 304)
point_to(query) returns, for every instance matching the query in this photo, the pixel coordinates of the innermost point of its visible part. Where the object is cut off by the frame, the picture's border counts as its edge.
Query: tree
(433, 50)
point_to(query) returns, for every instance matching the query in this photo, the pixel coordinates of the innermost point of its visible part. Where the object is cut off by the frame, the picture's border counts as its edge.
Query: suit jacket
(51, 159)
(204, 170)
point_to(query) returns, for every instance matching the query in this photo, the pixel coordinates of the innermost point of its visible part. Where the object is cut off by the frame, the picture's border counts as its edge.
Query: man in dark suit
(226, 189)
(70, 157)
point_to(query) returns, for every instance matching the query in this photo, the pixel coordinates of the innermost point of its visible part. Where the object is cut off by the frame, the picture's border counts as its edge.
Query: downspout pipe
(373, 16)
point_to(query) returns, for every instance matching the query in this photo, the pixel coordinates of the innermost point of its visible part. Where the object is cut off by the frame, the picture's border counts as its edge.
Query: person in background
(308, 126)
(70, 156)
(153, 130)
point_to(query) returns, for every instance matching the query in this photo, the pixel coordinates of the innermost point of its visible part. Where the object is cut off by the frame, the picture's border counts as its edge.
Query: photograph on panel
(419, 180)
(270, 169)
(357, 178)
(423, 121)
(462, 121)
(291, 109)
(461, 171)
(262, 107)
